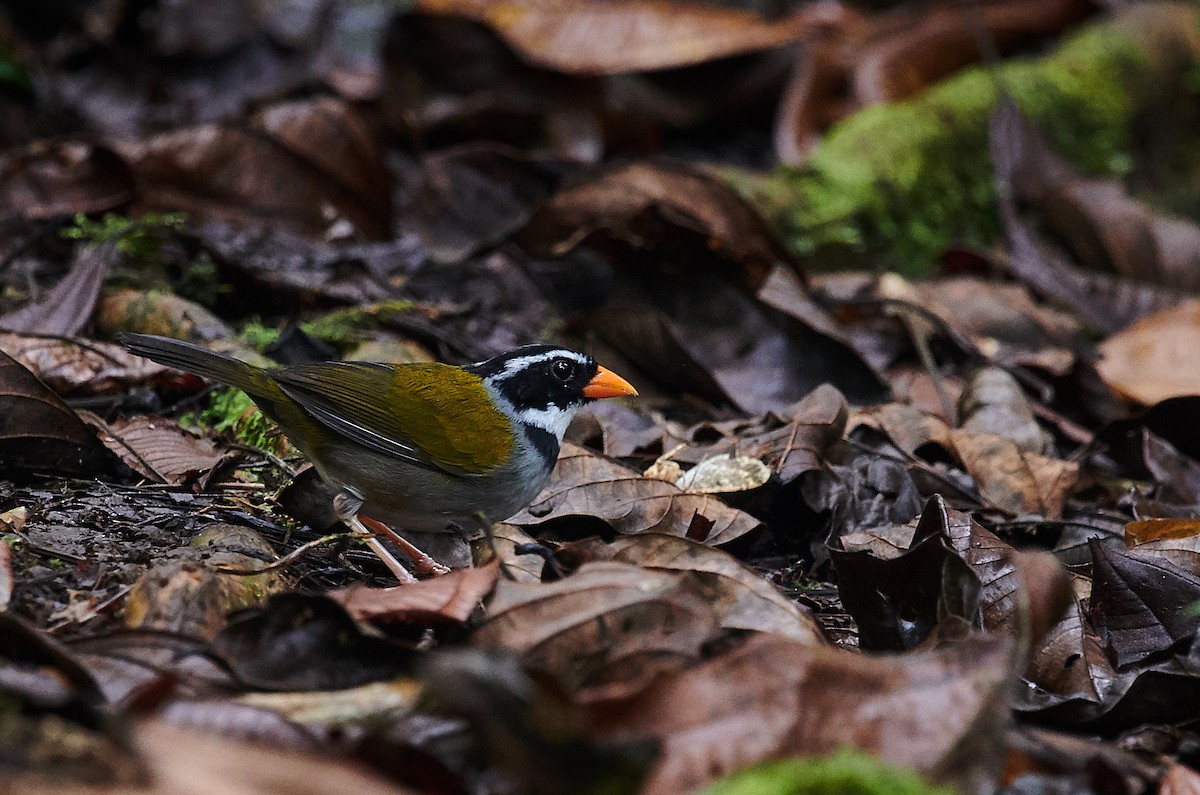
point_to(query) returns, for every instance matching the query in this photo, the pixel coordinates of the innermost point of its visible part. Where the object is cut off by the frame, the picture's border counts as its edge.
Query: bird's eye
(562, 370)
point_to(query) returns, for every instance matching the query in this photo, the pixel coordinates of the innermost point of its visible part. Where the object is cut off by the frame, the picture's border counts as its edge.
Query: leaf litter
(947, 523)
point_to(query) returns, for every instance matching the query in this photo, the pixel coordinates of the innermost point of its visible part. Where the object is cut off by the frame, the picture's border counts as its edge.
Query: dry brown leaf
(940, 712)
(907, 427)
(1071, 662)
(74, 368)
(1012, 479)
(622, 36)
(526, 568)
(993, 402)
(608, 623)
(852, 62)
(451, 598)
(1174, 540)
(1180, 780)
(998, 314)
(162, 450)
(911, 51)
(619, 200)
(185, 762)
(1155, 358)
(585, 484)
(741, 597)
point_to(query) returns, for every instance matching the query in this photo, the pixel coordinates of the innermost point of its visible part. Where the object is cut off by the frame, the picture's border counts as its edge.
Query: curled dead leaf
(608, 623)
(585, 484)
(451, 598)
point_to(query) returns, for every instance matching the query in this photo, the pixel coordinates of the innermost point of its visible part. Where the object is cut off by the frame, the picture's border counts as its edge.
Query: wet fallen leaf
(992, 561)
(302, 642)
(1140, 603)
(194, 596)
(891, 579)
(39, 433)
(586, 485)
(1071, 663)
(67, 308)
(54, 179)
(309, 165)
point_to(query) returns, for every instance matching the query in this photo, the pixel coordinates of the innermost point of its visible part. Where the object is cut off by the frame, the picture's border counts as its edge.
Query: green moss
(901, 182)
(232, 411)
(259, 336)
(138, 239)
(845, 773)
(345, 327)
(342, 328)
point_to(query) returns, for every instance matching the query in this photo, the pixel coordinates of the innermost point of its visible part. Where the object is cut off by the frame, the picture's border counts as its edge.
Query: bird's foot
(422, 563)
(346, 506)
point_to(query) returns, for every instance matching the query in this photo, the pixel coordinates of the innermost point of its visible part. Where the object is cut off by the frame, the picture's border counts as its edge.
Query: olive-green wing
(432, 415)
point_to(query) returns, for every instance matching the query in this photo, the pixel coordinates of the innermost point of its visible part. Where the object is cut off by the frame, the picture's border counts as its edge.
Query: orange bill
(607, 384)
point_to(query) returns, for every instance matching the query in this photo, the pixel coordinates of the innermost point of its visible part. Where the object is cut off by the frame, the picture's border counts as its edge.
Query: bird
(418, 446)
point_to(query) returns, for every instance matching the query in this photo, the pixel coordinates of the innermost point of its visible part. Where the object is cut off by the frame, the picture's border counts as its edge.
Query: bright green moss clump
(901, 182)
(846, 773)
(232, 411)
(342, 328)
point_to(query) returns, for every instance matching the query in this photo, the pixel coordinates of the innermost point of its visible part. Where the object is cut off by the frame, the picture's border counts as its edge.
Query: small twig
(288, 558)
(282, 465)
(787, 449)
(490, 535)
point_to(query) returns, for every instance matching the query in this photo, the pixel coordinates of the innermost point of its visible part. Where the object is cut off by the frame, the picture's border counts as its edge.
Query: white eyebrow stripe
(513, 366)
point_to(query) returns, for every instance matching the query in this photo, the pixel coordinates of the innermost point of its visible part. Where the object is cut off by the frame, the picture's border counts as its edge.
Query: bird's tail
(201, 361)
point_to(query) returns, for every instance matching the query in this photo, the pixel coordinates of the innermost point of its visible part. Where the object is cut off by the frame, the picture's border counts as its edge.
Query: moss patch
(232, 411)
(343, 328)
(846, 773)
(901, 182)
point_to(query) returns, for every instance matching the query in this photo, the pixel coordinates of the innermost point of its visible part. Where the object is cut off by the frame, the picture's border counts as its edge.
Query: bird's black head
(539, 378)
(542, 385)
